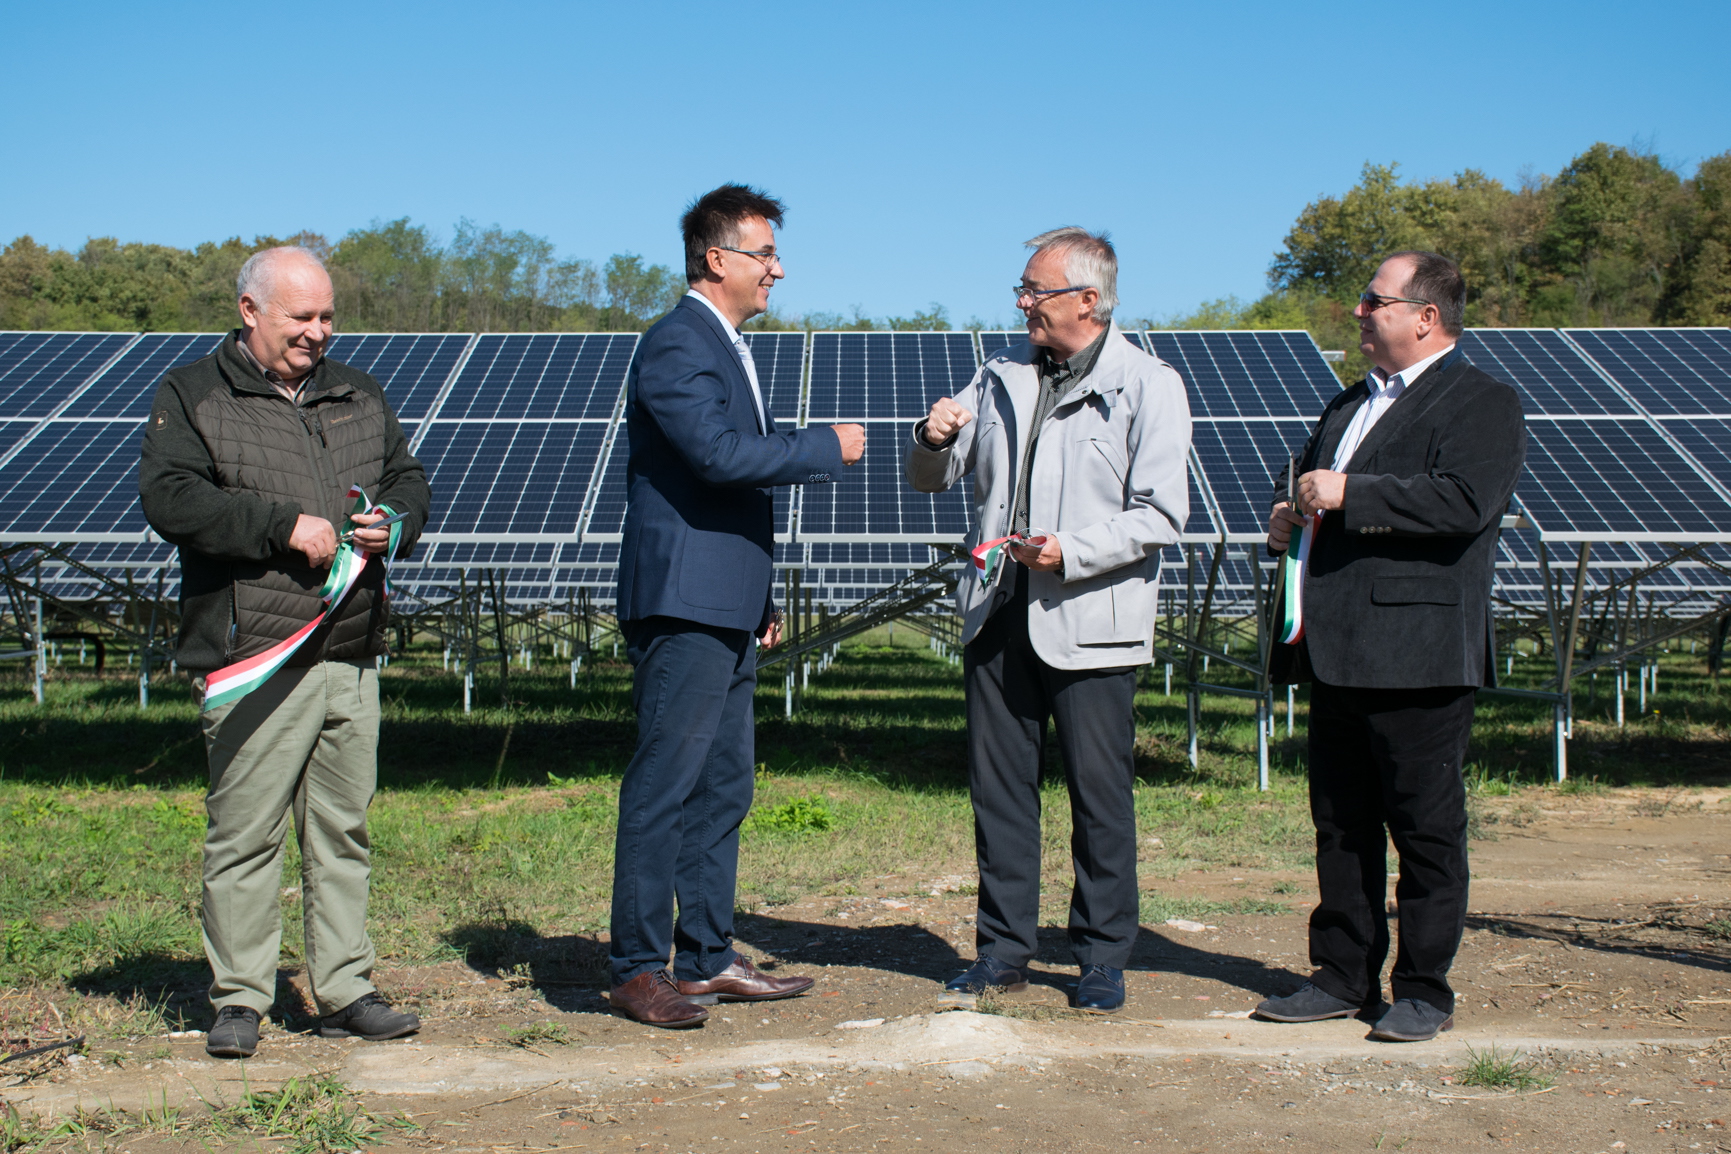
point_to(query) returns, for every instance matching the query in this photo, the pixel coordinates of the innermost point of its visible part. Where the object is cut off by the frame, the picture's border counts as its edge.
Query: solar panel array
(1629, 440)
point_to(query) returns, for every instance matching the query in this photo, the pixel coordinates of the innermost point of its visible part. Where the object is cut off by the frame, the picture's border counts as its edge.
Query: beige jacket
(1109, 478)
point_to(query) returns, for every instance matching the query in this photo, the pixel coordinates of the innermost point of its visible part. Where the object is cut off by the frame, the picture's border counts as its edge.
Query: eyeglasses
(1373, 301)
(768, 256)
(1038, 295)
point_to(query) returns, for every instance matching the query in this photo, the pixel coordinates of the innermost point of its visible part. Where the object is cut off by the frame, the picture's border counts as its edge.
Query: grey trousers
(305, 741)
(1010, 695)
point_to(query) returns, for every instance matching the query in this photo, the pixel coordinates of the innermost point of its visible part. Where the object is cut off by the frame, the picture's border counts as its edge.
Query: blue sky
(916, 145)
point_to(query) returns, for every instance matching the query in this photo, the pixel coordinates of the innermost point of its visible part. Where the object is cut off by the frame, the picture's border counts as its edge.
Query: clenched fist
(852, 438)
(945, 418)
(315, 537)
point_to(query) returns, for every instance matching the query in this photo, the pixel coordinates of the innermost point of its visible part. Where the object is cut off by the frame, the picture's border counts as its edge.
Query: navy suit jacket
(699, 538)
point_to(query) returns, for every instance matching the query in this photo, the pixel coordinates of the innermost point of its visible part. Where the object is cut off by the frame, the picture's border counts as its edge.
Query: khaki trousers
(306, 740)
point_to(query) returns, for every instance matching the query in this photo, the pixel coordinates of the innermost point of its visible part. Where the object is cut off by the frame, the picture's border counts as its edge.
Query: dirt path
(1594, 947)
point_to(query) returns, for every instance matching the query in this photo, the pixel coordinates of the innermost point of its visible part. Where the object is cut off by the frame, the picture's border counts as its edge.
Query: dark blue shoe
(988, 973)
(1100, 990)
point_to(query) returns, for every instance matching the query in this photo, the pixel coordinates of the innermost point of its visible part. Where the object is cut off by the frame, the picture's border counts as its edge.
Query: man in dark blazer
(1411, 470)
(695, 578)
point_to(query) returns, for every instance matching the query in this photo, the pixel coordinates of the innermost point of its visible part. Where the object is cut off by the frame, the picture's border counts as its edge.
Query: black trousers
(683, 796)
(1388, 759)
(1011, 694)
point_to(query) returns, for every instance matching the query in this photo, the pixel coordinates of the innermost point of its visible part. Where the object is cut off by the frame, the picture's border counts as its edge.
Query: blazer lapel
(1407, 408)
(1336, 429)
(740, 385)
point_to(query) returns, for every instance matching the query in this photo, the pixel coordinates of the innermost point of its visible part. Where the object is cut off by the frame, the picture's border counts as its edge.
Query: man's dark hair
(1437, 279)
(713, 220)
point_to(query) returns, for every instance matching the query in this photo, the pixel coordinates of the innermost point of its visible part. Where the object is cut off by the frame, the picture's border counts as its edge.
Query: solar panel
(1607, 479)
(410, 367)
(996, 340)
(1241, 460)
(1272, 373)
(129, 385)
(872, 499)
(11, 432)
(76, 477)
(38, 371)
(539, 376)
(886, 376)
(1551, 377)
(510, 478)
(780, 362)
(1668, 371)
(1708, 440)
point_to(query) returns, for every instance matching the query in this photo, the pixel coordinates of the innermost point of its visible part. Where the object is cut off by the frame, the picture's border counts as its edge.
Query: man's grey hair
(258, 275)
(1089, 260)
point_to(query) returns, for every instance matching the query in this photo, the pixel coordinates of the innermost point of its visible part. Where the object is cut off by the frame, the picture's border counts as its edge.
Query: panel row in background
(533, 452)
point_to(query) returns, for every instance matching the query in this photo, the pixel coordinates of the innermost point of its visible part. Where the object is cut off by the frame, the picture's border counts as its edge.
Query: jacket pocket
(1415, 591)
(709, 573)
(1114, 459)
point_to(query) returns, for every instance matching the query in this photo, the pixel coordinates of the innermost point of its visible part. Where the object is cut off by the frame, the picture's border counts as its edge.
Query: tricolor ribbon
(988, 555)
(1293, 566)
(233, 682)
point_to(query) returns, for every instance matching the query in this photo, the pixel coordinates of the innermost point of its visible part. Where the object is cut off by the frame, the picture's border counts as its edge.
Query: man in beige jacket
(1077, 440)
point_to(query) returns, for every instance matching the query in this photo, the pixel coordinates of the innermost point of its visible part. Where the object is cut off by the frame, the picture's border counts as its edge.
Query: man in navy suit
(695, 577)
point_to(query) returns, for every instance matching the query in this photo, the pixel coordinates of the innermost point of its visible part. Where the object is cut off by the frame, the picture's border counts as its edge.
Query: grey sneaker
(371, 1017)
(1306, 1004)
(235, 1033)
(1411, 1020)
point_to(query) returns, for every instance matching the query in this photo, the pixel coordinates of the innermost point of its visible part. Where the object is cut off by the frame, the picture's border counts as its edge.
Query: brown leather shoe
(653, 999)
(741, 982)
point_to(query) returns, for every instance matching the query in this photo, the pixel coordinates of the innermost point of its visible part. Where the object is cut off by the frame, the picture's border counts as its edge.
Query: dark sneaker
(1100, 990)
(988, 973)
(1306, 1004)
(371, 1017)
(1411, 1020)
(235, 1034)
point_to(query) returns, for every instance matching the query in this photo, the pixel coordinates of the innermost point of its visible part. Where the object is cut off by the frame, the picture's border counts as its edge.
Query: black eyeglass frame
(1377, 301)
(767, 256)
(1038, 295)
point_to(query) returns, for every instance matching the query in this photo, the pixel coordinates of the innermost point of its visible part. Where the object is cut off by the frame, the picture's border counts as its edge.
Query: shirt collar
(732, 333)
(1080, 363)
(275, 379)
(1380, 383)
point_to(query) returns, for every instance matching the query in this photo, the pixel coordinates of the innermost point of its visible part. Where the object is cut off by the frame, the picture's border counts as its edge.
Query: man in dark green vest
(248, 461)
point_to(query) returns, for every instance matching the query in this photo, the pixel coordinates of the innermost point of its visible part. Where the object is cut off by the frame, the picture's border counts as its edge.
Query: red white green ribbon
(988, 555)
(1293, 567)
(233, 682)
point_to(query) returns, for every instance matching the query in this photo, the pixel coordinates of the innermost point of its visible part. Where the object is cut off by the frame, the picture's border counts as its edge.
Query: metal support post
(41, 660)
(1262, 710)
(1565, 708)
(1289, 711)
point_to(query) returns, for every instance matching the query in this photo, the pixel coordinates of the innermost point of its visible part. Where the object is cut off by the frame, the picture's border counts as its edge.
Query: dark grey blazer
(1399, 589)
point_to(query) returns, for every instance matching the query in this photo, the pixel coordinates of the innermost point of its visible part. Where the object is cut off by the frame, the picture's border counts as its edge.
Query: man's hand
(315, 537)
(370, 540)
(1281, 523)
(772, 636)
(945, 418)
(1321, 489)
(852, 438)
(1046, 558)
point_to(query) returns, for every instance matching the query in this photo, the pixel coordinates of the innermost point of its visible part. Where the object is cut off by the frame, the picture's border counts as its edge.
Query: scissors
(385, 524)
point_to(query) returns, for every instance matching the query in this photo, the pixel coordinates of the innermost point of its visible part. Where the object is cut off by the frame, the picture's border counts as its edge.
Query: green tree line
(1616, 238)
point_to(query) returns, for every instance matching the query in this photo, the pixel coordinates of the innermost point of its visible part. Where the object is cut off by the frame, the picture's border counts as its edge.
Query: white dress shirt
(1384, 391)
(744, 356)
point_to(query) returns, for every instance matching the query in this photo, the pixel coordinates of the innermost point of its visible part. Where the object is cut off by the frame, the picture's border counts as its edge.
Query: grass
(534, 1034)
(493, 831)
(312, 1115)
(1495, 1070)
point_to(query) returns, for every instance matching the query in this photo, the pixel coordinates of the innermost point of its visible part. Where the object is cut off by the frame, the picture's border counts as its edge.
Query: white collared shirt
(744, 356)
(1384, 391)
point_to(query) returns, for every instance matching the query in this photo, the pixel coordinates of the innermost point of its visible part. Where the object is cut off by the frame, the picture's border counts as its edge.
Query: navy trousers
(685, 792)
(1386, 764)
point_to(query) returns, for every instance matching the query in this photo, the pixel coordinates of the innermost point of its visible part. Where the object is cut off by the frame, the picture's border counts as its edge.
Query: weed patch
(1495, 1070)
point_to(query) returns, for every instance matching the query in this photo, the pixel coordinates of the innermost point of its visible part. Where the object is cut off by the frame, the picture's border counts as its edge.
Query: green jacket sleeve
(177, 485)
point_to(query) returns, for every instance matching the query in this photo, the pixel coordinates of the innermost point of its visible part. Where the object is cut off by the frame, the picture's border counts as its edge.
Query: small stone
(860, 1024)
